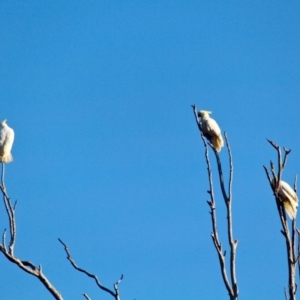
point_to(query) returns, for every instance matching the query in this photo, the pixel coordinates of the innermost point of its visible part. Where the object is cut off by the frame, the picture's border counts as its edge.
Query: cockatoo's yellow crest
(202, 113)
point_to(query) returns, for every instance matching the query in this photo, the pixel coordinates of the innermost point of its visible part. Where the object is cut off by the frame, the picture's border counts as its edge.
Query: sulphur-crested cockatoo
(288, 197)
(211, 130)
(6, 141)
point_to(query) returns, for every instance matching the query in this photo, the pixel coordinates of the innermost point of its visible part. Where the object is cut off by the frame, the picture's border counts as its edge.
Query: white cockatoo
(288, 198)
(211, 130)
(7, 136)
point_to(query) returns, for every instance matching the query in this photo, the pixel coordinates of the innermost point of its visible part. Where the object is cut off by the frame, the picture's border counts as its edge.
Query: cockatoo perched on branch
(288, 198)
(211, 130)
(6, 141)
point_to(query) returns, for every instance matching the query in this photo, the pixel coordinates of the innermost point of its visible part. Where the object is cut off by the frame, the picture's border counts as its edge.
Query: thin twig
(102, 287)
(2, 175)
(233, 243)
(3, 240)
(116, 287)
(285, 294)
(221, 177)
(231, 168)
(11, 216)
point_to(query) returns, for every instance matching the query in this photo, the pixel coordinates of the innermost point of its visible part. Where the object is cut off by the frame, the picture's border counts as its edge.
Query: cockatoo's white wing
(286, 191)
(289, 198)
(212, 132)
(210, 127)
(7, 136)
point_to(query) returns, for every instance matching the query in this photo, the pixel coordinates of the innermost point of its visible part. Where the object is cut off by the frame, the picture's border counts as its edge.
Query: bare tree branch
(86, 297)
(26, 266)
(232, 287)
(102, 287)
(290, 239)
(214, 235)
(10, 210)
(233, 243)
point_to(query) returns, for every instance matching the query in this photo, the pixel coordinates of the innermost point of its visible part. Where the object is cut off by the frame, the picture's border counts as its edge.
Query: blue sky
(107, 155)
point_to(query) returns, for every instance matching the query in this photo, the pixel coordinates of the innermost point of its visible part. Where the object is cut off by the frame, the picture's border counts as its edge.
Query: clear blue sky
(107, 155)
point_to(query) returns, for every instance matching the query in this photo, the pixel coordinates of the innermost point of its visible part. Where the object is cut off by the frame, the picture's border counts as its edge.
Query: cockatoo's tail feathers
(6, 158)
(217, 142)
(290, 210)
(288, 198)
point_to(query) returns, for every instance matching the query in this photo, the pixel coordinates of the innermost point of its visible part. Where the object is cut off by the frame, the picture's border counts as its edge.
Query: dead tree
(290, 238)
(27, 266)
(114, 294)
(8, 252)
(231, 280)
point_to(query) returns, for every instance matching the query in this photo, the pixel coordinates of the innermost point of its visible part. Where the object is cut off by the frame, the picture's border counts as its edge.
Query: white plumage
(289, 198)
(7, 136)
(211, 130)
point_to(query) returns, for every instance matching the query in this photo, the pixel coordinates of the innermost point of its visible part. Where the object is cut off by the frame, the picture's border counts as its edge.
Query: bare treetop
(216, 143)
(286, 202)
